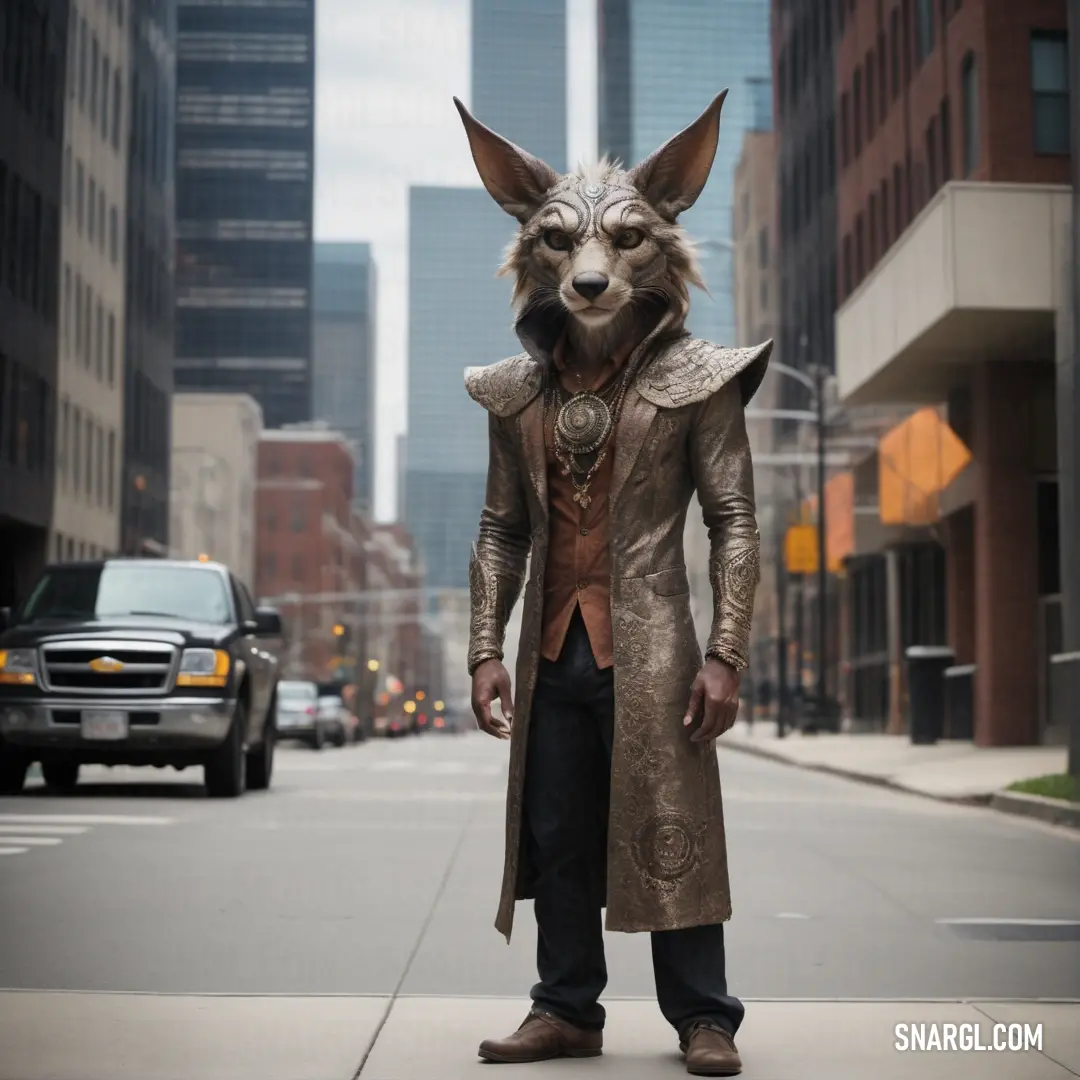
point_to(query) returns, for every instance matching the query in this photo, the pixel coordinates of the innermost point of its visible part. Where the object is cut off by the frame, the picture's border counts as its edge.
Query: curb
(1054, 811)
(858, 777)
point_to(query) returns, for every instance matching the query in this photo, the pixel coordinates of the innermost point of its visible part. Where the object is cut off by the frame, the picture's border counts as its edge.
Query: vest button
(582, 584)
(584, 532)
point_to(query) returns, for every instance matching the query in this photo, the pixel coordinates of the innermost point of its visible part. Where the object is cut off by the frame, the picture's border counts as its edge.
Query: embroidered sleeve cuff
(727, 656)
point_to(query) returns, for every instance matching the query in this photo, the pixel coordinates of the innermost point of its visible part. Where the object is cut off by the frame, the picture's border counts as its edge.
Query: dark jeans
(567, 789)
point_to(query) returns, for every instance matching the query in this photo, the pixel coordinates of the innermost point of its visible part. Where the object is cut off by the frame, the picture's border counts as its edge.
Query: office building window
(969, 81)
(945, 123)
(83, 61)
(95, 57)
(116, 107)
(68, 179)
(1050, 89)
(76, 447)
(845, 129)
(883, 77)
(860, 249)
(65, 318)
(931, 158)
(905, 40)
(924, 30)
(99, 479)
(99, 341)
(78, 314)
(856, 119)
(848, 281)
(114, 235)
(62, 439)
(80, 194)
(110, 346)
(91, 209)
(111, 466)
(871, 228)
(871, 84)
(763, 247)
(101, 219)
(894, 50)
(105, 81)
(883, 206)
(89, 478)
(297, 568)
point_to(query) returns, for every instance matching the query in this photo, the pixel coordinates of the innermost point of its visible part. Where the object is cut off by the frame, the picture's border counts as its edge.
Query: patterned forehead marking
(594, 191)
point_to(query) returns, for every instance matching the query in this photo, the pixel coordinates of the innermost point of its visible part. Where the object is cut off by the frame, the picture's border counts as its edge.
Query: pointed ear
(515, 179)
(673, 177)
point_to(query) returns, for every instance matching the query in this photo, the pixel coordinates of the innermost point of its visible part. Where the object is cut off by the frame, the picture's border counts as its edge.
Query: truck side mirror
(267, 623)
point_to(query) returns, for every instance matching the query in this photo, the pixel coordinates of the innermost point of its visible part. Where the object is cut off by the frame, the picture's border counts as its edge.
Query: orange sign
(801, 549)
(839, 520)
(917, 460)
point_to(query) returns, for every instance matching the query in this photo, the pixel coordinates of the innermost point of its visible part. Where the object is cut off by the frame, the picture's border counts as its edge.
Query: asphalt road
(374, 870)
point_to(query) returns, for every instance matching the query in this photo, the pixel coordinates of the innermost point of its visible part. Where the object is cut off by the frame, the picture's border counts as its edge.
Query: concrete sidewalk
(951, 770)
(89, 1036)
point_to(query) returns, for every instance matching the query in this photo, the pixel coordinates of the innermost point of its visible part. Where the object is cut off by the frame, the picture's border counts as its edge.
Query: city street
(341, 925)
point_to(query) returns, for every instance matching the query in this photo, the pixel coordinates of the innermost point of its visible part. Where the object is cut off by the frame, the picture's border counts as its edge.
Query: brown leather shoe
(710, 1051)
(542, 1037)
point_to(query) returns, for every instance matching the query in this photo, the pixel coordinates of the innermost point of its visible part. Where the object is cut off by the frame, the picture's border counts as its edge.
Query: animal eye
(557, 240)
(629, 238)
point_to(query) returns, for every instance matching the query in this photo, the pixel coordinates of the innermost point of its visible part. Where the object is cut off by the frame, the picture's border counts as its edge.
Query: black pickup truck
(139, 662)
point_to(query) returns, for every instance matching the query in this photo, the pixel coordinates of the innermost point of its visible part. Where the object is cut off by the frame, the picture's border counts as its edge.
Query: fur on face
(601, 244)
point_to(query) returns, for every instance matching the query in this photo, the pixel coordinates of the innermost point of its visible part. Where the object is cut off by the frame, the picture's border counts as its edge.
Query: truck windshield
(123, 589)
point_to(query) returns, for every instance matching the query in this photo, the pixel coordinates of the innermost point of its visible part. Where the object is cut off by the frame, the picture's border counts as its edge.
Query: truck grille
(108, 668)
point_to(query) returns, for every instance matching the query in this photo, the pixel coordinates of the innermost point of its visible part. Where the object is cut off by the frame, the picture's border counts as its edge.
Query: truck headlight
(203, 667)
(18, 667)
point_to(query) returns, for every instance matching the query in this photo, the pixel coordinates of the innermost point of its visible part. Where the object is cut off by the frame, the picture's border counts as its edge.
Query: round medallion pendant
(583, 423)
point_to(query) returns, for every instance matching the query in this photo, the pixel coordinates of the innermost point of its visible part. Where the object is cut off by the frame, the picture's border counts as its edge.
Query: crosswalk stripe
(13, 850)
(33, 841)
(56, 830)
(84, 819)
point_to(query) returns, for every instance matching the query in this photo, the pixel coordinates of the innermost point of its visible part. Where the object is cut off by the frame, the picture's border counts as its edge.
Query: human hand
(715, 694)
(491, 680)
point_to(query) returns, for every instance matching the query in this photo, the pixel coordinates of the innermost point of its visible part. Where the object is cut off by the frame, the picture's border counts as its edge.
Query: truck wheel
(318, 740)
(339, 736)
(61, 776)
(225, 771)
(260, 762)
(13, 766)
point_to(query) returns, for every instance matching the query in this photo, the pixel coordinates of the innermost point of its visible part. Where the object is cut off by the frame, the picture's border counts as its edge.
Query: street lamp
(373, 665)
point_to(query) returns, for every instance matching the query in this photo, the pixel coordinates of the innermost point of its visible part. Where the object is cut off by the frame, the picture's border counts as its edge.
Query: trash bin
(926, 689)
(960, 702)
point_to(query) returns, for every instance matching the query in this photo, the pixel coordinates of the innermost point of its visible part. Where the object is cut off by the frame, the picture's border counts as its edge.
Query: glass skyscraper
(660, 64)
(519, 73)
(459, 312)
(343, 352)
(148, 268)
(245, 148)
(459, 317)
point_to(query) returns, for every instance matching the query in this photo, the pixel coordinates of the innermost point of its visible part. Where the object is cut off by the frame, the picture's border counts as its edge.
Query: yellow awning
(839, 520)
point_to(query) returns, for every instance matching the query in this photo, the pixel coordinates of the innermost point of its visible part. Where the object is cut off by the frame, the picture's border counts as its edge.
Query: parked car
(298, 713)
(340, 723)
(138, 662)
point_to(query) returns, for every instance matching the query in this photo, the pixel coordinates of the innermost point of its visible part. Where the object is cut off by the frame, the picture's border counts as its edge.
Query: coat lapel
(531, 425)
(637, 417)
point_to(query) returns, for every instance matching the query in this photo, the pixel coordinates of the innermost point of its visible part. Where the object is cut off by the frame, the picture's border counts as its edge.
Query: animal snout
(590, 284)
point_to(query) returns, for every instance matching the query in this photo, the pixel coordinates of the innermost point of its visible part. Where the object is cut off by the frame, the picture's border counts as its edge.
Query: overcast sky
(386, 73)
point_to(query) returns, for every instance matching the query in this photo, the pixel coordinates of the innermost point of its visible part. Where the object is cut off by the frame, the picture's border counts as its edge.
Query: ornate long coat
(682, 429)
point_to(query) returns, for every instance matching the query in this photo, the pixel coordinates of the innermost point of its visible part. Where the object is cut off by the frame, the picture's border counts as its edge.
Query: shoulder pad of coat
(690, 370)
(507, 387)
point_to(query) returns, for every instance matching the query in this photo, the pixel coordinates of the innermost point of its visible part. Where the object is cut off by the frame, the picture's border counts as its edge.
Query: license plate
(104, 726)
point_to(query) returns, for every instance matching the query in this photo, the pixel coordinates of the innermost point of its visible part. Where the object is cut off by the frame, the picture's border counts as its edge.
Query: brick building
(306, 541)
(953, 164)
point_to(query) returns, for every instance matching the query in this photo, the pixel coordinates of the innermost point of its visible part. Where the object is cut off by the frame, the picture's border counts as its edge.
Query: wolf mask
(602, 243)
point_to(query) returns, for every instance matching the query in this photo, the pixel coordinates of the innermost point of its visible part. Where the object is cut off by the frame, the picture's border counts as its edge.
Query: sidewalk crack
(396, 993)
